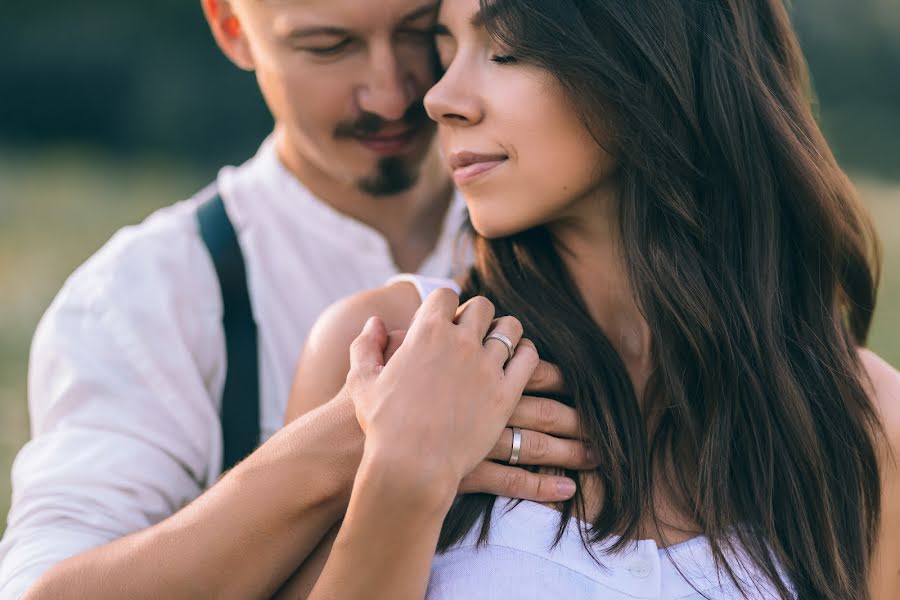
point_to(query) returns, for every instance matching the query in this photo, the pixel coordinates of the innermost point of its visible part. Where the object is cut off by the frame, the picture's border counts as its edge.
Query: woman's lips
(469, 166)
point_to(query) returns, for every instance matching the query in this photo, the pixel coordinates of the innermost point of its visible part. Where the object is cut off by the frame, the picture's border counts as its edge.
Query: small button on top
(640, 568)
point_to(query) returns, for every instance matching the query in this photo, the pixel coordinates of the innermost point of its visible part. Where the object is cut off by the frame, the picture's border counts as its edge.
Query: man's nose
(390, 89)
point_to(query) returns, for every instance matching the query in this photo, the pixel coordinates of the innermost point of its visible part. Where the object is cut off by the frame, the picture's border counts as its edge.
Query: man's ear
(228, 32)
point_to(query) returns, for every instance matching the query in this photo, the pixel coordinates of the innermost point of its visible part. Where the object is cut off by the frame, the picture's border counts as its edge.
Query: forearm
(242, 538)
(386, 544)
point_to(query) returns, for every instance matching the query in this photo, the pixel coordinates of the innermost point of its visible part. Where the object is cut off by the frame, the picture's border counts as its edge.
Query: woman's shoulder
(337, 327)
(394, 303)
(884, 389)
(325, 360)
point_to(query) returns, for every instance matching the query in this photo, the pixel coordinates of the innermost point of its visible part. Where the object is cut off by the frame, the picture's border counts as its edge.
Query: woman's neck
(591, 248)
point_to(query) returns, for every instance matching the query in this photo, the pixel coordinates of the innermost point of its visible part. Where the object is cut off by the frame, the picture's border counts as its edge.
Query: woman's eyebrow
(477, 19)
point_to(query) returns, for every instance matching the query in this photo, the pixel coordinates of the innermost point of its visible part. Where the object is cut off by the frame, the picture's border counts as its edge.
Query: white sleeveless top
(517, 563)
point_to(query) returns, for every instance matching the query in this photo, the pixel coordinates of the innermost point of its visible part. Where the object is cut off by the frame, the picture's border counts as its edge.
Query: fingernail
(566, 488)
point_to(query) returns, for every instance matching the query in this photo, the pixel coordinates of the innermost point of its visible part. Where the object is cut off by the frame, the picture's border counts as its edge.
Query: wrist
(346, 440)
(310, 462)
(407, 478)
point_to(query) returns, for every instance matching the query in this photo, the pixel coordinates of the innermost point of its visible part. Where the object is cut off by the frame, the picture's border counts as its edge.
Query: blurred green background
(109, 110)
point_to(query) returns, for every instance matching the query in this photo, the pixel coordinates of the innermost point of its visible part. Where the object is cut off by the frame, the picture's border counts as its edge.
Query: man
(128, 365)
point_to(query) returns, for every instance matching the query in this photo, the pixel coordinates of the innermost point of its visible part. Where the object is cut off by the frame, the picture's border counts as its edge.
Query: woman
(652, 198)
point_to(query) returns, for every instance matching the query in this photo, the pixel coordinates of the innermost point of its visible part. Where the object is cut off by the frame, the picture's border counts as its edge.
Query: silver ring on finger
(516, 446)
(510, 349)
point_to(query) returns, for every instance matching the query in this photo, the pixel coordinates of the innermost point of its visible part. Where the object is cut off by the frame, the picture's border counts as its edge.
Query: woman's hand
(430, 416)
(438, 407)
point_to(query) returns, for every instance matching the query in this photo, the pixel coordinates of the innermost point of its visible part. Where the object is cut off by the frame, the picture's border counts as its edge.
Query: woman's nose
(454, 100)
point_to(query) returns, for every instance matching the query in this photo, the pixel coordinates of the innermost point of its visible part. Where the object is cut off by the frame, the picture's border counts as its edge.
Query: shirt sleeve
(125, 373)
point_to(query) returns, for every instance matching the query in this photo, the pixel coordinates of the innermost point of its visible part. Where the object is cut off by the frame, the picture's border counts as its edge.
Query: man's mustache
(369, 124)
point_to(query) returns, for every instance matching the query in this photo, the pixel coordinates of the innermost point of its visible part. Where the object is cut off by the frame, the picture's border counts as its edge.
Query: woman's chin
(493, 231)
(498, 226)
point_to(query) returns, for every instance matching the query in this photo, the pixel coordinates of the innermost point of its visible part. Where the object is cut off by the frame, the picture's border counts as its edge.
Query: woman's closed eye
(505, 59)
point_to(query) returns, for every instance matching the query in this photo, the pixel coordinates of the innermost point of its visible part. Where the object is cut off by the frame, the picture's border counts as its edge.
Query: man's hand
(551, 437)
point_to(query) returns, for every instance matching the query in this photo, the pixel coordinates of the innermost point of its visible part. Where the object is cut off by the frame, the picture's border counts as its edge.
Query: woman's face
(517, 150)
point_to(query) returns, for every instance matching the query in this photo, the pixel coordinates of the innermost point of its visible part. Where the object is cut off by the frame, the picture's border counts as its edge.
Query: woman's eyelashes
(446, 47)
(504, 59)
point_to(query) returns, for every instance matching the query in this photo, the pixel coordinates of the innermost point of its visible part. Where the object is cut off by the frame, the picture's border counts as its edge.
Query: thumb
(367, 350)
(395, 340)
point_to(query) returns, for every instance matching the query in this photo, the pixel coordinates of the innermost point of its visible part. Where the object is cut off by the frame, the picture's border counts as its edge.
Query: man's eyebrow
(305, 32)
(430, 8)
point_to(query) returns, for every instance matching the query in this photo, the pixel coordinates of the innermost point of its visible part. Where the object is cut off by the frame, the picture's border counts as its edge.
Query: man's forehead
(349, 13)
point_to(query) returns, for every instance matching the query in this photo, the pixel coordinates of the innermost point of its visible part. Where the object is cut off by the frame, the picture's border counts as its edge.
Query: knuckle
(432, 325)
(514, 326)
(465, 342)
(540, 488)
(511, 328)
(548, 416)
(577, 455)
(539, 376)
(479, 304)
(530, 350)
(446, 292)
(538, 447)
(514, 482)
(443, 294)
(483, 302)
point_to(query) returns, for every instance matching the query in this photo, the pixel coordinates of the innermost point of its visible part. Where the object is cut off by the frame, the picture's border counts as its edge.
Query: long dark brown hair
(754, 265)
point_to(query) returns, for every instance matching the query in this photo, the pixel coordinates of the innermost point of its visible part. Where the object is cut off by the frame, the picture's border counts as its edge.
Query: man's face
(344, 80)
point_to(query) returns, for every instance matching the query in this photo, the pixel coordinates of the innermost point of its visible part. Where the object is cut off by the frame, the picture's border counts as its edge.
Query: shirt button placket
(644, 570)
(640, 568)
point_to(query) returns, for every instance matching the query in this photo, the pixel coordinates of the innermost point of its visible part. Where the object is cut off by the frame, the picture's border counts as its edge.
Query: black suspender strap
(240, 398)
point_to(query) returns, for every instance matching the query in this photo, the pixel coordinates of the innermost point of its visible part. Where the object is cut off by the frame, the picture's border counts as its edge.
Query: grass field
(56, 209)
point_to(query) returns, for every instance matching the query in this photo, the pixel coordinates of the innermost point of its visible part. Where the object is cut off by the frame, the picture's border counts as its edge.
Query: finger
(476, 315)
(520, 367)
(547, 416)
(367, 350)
(512, 482)
(511, 328)
(441, 304)
(540, 449)
(395, 340)
(546, 379)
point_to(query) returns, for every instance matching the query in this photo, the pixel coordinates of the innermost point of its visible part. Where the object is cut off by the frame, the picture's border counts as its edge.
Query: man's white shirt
(128, 364)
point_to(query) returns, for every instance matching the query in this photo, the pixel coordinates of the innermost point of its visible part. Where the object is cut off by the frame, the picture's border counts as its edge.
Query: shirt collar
(265, 182)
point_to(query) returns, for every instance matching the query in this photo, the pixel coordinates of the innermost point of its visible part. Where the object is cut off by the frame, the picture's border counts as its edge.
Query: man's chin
(392, 176)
